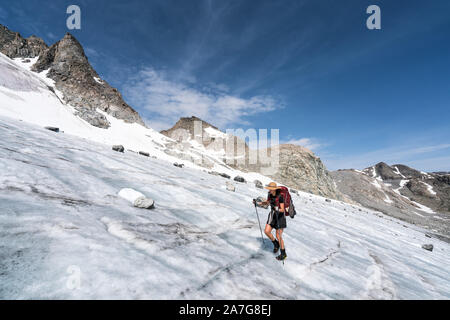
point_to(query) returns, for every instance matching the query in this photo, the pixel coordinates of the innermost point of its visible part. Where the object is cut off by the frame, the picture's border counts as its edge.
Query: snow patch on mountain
(397, 171)
(423, 208)
(98, 80)
(376, 184)
(429, 188)
(402, 184)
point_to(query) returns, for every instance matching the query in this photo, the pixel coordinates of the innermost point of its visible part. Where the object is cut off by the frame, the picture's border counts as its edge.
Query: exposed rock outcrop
(303, 170)
(81, 85)
(13, 45)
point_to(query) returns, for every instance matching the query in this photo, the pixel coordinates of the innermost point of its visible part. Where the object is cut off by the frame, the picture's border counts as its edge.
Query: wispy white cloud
(432, 164)
(91, 53)
(168, 98)
(427, 158)
(309, 143)
(51, 36)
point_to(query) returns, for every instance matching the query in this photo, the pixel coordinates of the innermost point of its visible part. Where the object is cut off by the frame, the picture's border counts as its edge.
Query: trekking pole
(259, 223)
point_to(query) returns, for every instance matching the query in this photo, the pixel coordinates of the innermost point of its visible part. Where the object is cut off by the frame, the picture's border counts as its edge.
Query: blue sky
(309, 68)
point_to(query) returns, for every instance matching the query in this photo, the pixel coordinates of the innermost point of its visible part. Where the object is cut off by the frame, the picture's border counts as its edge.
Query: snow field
(60, 208)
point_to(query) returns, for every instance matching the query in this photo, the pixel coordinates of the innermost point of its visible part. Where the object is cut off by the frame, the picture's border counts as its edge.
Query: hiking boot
(276, 246)
(282, 256)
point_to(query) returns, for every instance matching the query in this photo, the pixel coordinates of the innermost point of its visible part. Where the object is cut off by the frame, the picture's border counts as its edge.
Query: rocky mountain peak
(81, 85)
(382, 165)
(74, 76)
(383, 171)
(70, 43)
(187, 128)
(64, 54)
(396, 171)
(296, 148)
(187, 124)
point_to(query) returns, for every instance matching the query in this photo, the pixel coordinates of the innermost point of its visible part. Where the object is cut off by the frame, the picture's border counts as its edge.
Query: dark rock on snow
(239, 179)
(54, 129)
(258, 184)
(118, 148)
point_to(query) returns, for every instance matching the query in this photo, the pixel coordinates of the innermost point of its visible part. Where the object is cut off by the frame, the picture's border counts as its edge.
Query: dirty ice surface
(65, 233)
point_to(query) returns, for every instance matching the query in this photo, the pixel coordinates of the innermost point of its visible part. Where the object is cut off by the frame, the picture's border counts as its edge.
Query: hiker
(276, 219)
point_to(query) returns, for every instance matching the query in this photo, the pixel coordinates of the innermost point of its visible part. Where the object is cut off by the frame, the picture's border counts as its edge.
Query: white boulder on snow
(130, 194)
(136, 198)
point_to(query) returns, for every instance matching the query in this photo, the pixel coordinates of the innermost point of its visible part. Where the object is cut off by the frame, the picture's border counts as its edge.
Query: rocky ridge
(400, 191)
(13, 45)
(429, 189)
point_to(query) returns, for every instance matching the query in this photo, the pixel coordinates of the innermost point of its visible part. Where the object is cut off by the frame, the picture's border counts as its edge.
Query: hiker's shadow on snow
(267, 246)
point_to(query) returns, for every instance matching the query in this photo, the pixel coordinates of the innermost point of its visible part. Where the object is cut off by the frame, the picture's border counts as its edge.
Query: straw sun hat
(272, 186)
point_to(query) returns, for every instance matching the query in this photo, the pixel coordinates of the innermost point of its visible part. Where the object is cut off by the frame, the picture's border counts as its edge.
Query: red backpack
(289, 208)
